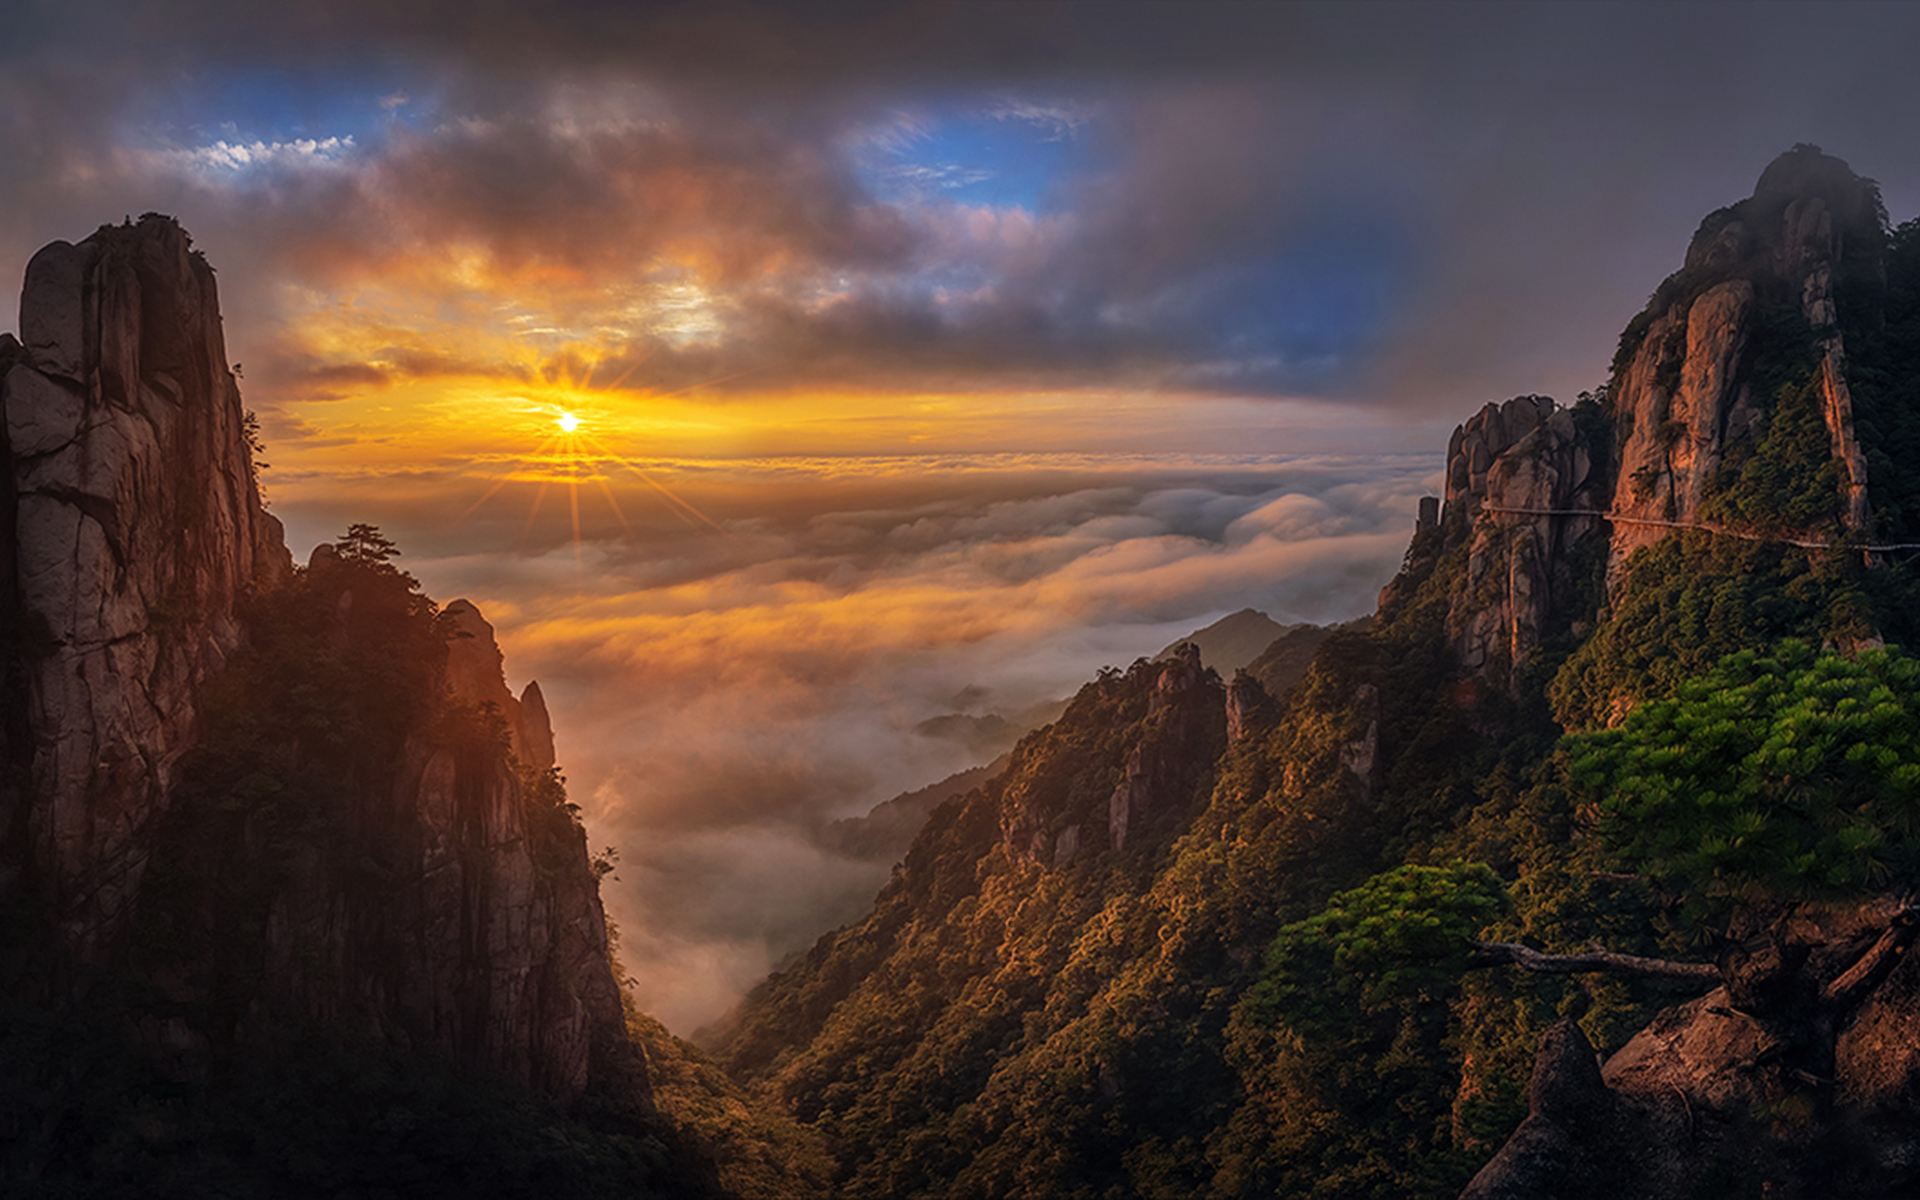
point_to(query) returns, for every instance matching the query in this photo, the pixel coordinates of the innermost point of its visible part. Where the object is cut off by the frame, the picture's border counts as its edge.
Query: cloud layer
(720, 696)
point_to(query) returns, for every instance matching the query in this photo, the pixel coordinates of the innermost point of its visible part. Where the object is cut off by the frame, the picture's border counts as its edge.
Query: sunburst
(568, 454)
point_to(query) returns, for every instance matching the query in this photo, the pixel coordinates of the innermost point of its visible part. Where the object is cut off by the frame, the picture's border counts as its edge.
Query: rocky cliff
(1689, 396)
(1180, 734)
(1513, 471)
(436, 891)
(476, 673)
(1748, 405)
(299, 799)
(1730, 410)
(1192, 941)
(136, 532)
(1795, 1077)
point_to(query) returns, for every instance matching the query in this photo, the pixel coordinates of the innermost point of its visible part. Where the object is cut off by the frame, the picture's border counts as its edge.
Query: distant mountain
(1233, 641)
(1284, 662)
(1359, 930)
(1278, 662)
(887, 829)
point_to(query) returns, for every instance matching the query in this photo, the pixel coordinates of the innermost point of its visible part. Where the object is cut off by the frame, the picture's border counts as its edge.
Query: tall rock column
(136, 530)
(475, 673)
(1513, 471)
(1683, 397)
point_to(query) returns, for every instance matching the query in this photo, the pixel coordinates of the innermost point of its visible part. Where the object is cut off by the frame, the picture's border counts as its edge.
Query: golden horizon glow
(519, 395)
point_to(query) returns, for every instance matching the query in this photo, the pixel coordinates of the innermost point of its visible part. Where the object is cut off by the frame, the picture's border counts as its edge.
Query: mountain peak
(1807, 170)
(137, 528)
(1231, 642)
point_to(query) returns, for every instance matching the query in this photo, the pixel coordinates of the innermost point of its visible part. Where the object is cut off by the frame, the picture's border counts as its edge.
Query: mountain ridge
(1011, 1019)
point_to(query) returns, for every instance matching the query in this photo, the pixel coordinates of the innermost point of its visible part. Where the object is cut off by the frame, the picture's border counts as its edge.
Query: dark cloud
(1423, 204)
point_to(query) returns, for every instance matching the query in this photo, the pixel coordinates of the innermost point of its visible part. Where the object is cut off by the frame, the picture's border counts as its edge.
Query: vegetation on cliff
(239, 1049)
(1307, 986)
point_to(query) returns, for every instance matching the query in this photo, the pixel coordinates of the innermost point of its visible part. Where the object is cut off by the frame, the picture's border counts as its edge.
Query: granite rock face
(1680, 416)
(1249, 708)
(484, 938)
(446, 902)
(1550, 1154)
(535, 728)
(1510, 468)
(1169, 750)
(1702, 1101)
(135, 532)
(476, 675)
(1186, 723)
(1684, 397)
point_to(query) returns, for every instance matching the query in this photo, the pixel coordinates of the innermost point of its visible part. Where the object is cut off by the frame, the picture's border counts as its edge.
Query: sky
(778, 378)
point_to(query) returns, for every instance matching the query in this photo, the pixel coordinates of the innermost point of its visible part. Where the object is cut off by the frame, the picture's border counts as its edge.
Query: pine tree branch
(1512, 954)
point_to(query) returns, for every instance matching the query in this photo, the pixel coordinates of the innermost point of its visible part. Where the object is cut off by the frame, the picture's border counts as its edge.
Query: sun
(567, 422)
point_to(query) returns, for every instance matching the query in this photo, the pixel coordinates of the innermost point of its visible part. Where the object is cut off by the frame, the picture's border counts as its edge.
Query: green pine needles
(1793, 774)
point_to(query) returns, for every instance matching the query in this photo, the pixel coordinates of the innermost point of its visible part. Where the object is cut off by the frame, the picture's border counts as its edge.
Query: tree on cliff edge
(365, 545)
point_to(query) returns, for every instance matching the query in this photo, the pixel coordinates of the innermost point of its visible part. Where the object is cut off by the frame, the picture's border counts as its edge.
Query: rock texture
(1683, 411)
(1177, 738)
(476, 675)
(1550, 1154)
(1781, 1082)
(1249, 708)
(440, 897)
(484, 936)
(135, 533)
(1520, 577)
(1682, 397)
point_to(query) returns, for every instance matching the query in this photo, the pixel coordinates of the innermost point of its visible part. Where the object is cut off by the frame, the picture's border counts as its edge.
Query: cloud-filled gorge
(722, 693)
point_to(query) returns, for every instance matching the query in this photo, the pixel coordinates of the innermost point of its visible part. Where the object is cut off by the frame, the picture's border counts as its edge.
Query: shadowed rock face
(1759, 1087)
(1551, 1153)
(483, 934)
(1180, 734)
(476, 674)
(135, 531)
(450, 904)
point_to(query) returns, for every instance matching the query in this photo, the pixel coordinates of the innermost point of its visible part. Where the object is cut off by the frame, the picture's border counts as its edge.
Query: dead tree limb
(1512, 954)
(1848, 987)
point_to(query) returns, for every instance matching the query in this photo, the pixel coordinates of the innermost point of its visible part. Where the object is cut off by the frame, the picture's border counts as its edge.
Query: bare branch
(1512, 954)
(1871, 967)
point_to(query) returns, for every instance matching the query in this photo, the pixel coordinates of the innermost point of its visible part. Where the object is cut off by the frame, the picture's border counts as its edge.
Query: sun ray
(614, 504)
(685, 507)
(533, 511)
(504, 480)
(620, 379)
(696, 386)
(573, 504)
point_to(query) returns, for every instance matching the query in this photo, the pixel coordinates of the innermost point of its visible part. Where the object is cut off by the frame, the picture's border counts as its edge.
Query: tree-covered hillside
(1567, 772)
